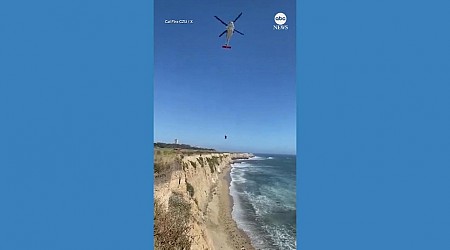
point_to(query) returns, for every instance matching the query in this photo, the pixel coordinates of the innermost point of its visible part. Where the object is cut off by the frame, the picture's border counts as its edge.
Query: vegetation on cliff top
(180, 146)
(190, 189)
(213, 162)
(169, 159)
(172, 226)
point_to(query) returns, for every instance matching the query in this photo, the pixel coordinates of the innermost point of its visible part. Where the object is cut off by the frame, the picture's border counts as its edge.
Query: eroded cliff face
(195, 178)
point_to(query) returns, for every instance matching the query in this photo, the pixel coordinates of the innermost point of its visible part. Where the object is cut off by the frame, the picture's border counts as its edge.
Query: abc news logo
(280, 20)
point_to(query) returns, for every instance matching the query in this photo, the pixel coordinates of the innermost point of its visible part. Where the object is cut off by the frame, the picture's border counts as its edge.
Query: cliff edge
(190, 178)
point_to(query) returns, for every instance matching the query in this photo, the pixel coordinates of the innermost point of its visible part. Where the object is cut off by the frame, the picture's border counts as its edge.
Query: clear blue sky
(202, 92)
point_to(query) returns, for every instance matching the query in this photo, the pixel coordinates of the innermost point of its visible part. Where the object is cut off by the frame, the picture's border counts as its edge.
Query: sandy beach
(221, 228)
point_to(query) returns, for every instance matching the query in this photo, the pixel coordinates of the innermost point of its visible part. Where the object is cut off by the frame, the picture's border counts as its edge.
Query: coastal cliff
(194, 179)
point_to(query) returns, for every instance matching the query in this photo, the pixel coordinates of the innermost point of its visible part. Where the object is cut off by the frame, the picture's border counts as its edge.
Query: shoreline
(221, 228)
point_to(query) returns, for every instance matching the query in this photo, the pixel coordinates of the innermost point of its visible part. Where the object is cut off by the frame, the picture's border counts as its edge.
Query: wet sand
(221, 228)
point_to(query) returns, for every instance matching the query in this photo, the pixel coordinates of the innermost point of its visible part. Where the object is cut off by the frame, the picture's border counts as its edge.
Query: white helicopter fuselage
(230, 31)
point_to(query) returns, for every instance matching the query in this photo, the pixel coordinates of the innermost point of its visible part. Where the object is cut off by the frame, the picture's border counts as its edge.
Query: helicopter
(229, 30)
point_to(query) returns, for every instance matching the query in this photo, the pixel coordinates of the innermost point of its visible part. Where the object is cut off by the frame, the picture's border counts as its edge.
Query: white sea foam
(261, 203)
(282, 237)
(282, 194)
(238, 213)
(237, 177)
(270, 199)
(240, 165)
(256, 158)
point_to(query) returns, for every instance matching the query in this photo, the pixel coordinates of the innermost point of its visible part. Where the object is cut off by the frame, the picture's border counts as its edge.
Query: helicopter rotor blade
(238, 31)
(237, 17)
(220, 20)
(223, 33)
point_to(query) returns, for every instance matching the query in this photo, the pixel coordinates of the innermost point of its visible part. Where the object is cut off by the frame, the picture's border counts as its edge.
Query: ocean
(263, 190)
